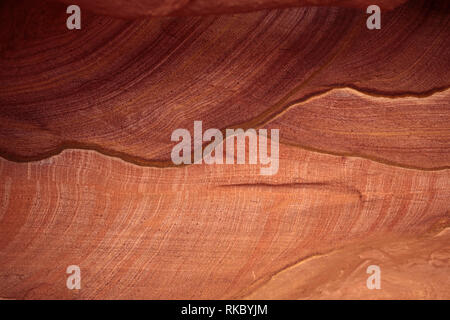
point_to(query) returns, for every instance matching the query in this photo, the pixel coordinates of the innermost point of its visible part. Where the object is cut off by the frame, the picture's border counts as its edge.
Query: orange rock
(86, 177)
(214, 231)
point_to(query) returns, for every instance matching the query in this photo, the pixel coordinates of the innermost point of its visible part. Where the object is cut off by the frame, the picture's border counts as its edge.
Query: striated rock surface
(122, 87)
(86, 176)
(139, 8)
(384, 129)
(205, 231)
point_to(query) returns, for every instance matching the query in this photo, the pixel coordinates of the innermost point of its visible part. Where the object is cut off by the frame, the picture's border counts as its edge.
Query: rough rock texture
(86, 177)
(420, 263)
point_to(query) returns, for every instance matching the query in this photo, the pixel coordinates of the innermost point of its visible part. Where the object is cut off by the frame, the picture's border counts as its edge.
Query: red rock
(215, 232)
(139, 8)
(86, 177)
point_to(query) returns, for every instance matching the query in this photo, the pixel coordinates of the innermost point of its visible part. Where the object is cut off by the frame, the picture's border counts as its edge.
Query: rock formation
(85, 145)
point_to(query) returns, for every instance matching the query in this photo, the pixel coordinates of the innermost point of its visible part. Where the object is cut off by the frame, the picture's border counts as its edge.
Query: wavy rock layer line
(363, 175)
(121, 87)
(384, 129)
(214, 231)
